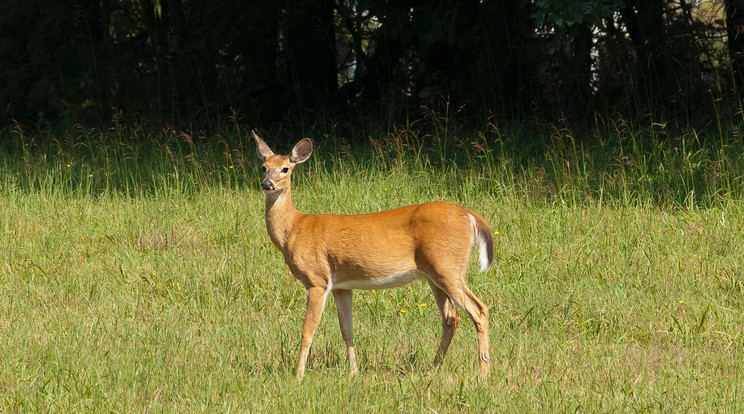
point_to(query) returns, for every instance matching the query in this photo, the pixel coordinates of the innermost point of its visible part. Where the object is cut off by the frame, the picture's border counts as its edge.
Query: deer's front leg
(316, 298)
(343, 304)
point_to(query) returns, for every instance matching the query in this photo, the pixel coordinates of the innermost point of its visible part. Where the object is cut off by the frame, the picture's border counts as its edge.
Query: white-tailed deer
(338, 253)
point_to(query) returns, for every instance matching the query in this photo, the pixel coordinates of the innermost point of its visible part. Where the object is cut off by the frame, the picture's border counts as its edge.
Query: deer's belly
(391, 281)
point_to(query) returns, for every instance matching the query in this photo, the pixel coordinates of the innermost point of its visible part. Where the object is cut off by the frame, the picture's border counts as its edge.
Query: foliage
(562, 14)
(195, 63)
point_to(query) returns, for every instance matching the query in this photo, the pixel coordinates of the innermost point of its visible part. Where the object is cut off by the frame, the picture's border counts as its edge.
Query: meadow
(136, 273)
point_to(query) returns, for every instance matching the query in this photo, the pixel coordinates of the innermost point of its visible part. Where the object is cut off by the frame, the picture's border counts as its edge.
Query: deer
(334, 254)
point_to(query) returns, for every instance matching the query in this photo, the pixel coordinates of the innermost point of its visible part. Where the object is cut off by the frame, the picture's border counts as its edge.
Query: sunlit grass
(136, 274)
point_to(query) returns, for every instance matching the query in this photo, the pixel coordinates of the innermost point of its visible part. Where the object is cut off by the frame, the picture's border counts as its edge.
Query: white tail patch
(480, 239)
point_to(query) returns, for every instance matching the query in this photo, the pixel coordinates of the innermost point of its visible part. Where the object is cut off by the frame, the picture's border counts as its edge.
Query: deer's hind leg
(449, 289)
(450, 321)
(478, 312)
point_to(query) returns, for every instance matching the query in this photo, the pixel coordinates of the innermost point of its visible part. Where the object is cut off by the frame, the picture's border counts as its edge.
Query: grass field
(136, 274)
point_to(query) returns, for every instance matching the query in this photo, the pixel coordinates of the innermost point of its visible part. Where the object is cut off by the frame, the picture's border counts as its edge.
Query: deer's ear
(263, 150)
(301, 152)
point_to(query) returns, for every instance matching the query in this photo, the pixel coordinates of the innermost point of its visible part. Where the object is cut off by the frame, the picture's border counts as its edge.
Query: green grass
(141, 277)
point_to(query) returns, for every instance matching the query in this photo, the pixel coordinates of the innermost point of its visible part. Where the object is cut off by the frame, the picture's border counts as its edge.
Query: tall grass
(616, 164)
(136, 273)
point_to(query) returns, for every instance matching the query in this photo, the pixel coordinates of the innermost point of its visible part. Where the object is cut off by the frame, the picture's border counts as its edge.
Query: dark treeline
(186, 62)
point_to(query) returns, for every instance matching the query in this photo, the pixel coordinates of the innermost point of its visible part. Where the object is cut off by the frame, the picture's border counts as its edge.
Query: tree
(735, 34)
(644, 20)
(191, 62)
(311, 50)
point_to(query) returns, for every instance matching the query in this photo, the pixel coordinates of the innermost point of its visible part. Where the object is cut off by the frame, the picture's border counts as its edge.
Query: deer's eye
(263, 169)
(285, 170)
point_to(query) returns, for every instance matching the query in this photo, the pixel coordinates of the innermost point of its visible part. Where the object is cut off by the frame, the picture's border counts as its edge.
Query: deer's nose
(267, 185)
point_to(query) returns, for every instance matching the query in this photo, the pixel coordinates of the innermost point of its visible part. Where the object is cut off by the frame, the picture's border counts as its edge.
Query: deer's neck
(280, 216)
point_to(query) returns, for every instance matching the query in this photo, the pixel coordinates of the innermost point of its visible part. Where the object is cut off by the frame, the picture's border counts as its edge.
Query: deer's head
(277, 169)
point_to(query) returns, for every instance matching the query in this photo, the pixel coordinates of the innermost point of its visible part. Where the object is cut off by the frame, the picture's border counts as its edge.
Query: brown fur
(337, 253)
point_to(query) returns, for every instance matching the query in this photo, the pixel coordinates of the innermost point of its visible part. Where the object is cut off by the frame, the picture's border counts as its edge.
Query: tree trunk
(644, 20)
(578, 79)
(311, 50)
(735, 33)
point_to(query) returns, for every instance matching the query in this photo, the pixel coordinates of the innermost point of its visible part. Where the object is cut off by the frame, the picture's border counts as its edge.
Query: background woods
(181, 61)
